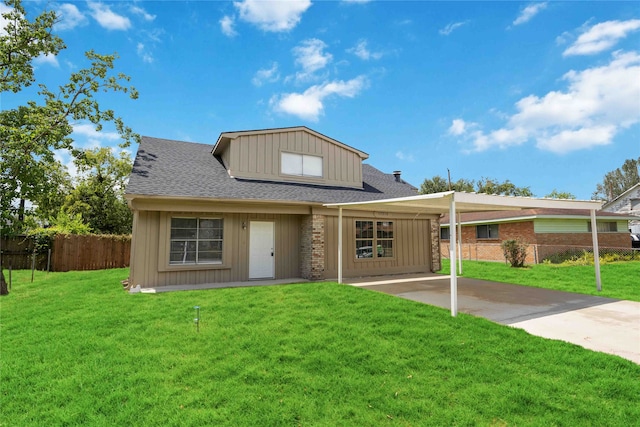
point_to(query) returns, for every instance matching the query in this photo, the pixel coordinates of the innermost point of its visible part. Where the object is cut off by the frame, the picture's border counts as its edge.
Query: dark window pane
(364, 248)
(385, 230)
(364, 229)
(384, 249)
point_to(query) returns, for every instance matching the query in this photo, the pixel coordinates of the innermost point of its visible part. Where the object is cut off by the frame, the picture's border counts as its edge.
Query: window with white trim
(196, 241)
(374, 239)
(301, 165)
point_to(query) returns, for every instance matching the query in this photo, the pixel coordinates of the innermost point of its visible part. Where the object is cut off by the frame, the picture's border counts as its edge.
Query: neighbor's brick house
(547, 231)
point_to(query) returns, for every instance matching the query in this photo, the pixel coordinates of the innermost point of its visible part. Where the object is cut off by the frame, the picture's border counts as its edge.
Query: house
(547, 231)
(627, 203)
(250, 207)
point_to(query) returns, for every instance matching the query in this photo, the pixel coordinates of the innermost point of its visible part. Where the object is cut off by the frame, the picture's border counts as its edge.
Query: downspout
(596, 251)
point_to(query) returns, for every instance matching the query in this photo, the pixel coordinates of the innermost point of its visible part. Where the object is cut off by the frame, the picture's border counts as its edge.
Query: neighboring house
(627, 203)
(547, 231)
(251, 207)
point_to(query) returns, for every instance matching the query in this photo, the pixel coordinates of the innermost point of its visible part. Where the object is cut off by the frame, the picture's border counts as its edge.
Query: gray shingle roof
(184, 169)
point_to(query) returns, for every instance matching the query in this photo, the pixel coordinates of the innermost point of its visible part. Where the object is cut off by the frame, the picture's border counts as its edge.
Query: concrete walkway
(597, 323)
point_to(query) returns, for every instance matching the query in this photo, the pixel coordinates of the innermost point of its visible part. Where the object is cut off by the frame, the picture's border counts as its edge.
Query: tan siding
(411, 246)
(152, 239)
(258, 156)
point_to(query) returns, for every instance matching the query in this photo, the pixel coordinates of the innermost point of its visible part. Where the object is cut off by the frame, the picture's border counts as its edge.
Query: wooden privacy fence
(69, 252)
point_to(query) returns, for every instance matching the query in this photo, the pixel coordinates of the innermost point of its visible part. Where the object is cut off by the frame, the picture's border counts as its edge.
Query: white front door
(261, 246)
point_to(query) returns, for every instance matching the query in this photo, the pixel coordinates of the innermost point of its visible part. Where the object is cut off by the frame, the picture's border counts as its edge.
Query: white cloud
(451, 27)
(309, 105)
(49, 59)
(226, 26)
(529, 12)
(601, 37)
(87, 130)
(268, 75)
(107, 18)
(598, 103)
(69, 17)
(407, 157)
(144, 54)
(3, 22)
(362, 51)
(310, 56)
(458, 127)
(143, 13)
(274, 16)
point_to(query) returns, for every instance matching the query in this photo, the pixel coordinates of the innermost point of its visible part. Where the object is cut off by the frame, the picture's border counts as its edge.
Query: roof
(225, 137)
(178, 169)
(439, 203)
(624, 195)
(530, 214)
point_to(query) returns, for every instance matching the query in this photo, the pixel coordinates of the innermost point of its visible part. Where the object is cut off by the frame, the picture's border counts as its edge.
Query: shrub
(515, 252)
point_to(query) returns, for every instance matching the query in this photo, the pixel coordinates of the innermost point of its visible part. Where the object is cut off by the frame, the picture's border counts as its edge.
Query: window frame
(304, 173)
(164, 242)
(374, 238)
(488, 227)
(604, 226)
(198, 239)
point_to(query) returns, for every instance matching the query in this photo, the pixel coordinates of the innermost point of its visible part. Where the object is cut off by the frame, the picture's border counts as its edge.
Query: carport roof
(438, 203)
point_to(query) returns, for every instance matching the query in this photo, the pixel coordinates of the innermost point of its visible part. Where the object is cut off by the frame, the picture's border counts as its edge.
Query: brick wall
(312, 247)
(436, 259)
(541, 245)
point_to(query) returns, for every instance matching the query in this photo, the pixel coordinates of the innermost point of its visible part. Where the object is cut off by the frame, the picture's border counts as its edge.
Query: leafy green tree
(618, 181)
(31, 133)
(506, 188)
(555, 194)
(438, 184)
(99, 195)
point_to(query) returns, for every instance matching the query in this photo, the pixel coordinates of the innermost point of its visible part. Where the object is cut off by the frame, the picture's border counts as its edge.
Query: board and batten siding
(412, 247)
(542, 225)
(258, 157)
(149, 253)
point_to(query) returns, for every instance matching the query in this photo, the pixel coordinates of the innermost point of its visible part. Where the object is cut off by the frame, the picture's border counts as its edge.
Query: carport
(454, 203)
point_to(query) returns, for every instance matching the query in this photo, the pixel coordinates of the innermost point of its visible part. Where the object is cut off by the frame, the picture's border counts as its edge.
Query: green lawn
(620, 280)
(77, 350)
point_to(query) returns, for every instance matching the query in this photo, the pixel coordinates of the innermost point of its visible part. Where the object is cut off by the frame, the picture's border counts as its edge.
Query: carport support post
(340, 245)
(596, 250)
(452, 256)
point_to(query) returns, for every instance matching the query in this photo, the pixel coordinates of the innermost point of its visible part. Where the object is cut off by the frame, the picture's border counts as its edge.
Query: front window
(604, 227)
(196, 241)
(489, 231)
(301, 165)
(444, 233)
(374, 239)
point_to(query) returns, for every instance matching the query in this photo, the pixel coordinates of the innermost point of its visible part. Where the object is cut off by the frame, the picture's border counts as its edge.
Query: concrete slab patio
(597, 323)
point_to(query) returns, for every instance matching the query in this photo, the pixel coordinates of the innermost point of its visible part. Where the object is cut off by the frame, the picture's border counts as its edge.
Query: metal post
(596, 250)
(452, 257)
(459, 243)
(33, 265)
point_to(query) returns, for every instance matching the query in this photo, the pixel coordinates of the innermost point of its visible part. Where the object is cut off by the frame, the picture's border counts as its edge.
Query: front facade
(627, 203)
(250, 207)
(546, 231)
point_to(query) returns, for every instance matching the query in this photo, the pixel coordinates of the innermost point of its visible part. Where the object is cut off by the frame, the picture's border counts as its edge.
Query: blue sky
(544, 94)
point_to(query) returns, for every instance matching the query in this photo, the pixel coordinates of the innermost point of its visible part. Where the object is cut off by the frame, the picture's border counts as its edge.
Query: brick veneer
(436, 259)
(541, 245)
(312, 247)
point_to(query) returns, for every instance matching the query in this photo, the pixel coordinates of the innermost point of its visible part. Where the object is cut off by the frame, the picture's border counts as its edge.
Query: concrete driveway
(597, 323)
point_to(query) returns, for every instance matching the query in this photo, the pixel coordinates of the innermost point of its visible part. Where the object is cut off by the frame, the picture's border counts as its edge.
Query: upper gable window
(301, 165)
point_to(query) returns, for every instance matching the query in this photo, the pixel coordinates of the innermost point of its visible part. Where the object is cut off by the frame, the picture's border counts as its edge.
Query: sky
(544, 94)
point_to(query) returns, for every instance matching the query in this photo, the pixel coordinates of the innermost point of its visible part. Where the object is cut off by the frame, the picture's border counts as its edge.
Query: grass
(620, 280)
(77, 350)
